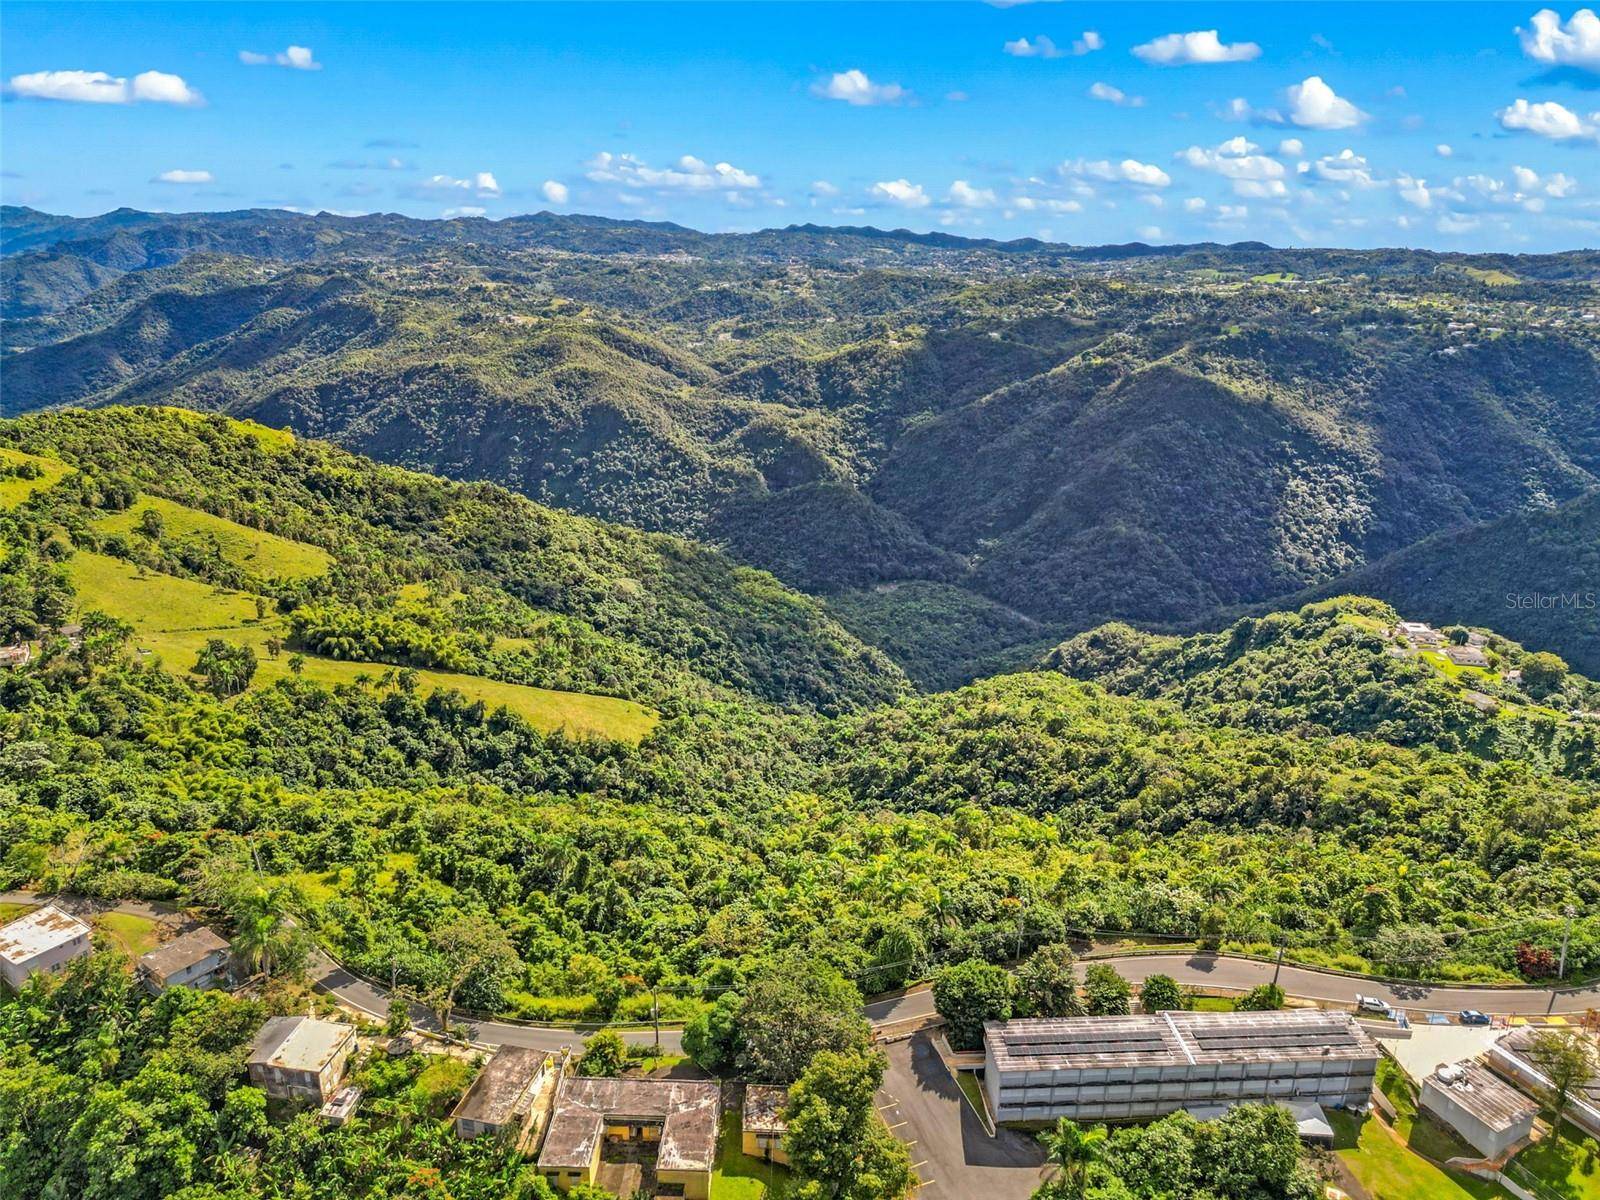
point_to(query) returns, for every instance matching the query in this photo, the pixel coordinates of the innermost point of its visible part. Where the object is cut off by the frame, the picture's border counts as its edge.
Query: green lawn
(10, 911)
(175, 617)
(1211, 1004)
(14, 491)
(1391, 1172)
(740, 1177)
(136, 935)
(967, 1081)
(1570, 1170)
(262, 554)
(1420, 1130)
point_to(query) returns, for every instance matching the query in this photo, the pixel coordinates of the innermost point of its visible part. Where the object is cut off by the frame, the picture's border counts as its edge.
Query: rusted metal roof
(42, 930)
(1474, 1088)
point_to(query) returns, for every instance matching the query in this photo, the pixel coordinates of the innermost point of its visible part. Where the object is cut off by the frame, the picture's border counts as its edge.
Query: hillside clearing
(14, 490)
(255, 550)
(174, 618)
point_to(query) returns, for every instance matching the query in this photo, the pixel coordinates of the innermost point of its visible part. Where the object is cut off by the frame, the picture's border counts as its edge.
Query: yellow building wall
(696, 1184)
(766, 1146)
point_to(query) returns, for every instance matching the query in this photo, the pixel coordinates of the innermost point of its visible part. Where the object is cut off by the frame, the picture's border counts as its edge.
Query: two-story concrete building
(46, 939)
(195, 959)
(678, 1116)
(1139, 1068)
(301, 1058)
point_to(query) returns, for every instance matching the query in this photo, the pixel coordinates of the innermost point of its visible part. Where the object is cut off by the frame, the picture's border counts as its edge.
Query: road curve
(1305, 983)
(1199, 970)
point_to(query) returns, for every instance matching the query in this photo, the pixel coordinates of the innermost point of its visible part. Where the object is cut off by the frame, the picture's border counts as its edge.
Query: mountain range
(968, 449)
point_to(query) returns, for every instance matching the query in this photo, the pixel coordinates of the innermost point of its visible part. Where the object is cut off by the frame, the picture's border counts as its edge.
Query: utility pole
(1566, 935)
(1278, 966)
(655, 1014)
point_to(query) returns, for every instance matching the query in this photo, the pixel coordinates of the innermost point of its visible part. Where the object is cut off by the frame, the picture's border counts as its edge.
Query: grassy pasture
(173, 618)
(14, 491)
(262, 554)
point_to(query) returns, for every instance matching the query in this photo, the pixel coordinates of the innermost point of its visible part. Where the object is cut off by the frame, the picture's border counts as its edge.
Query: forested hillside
(1041, 438)
(320, 729)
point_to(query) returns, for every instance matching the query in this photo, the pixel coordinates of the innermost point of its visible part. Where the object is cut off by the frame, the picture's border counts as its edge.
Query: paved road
(1222, 971)
(328, 976)
(954, 1157)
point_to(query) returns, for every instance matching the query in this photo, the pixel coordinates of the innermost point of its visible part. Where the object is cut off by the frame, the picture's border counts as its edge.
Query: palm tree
(1073, 1152)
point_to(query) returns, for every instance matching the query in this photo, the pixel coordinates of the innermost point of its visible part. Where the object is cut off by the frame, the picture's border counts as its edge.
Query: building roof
(1474, 1088)
(687, 1110)
(182, 952)
(31, 934)
(1174, 1039)
(1470, 656)
(1520, 1043)
(299, 1043)
(763, 1108)
(502, 1083)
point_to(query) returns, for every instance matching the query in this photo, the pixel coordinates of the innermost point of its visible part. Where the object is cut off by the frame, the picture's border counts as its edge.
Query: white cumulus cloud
(1443, 150)
(96, 87)
(296, 58)
(181, 176)
(900, 191)
(1291, 148)
(689, 174)
(1039, 47)
(1575, 43)
(1241, 162)
(1315, 105)
(482, 183)
(1346, 168)
(554, 191)
(1546, 119)
(1114, 95)
(964, 195)
(854, 87)
(1129, 170)
(1201, 46)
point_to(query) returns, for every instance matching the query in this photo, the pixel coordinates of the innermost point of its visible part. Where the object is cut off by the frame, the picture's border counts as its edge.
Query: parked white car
(1371, 1004)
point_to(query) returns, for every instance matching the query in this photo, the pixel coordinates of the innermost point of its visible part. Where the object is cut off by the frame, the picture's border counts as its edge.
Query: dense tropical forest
(1023, 440)
(777, 786)
(587, 621)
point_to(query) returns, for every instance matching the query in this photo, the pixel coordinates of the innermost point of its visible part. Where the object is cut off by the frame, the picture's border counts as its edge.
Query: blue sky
(1461, 126)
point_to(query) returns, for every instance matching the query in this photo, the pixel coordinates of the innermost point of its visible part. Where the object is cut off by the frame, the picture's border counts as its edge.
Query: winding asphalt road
(1306, 983)
(1201, 970)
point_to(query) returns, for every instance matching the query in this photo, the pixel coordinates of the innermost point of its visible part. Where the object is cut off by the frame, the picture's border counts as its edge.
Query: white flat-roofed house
(195, 959)
(1491, 1116)
(1139, 1068)
(46, 939)
(1419, 633)
(1467, 656)
(301, 1058)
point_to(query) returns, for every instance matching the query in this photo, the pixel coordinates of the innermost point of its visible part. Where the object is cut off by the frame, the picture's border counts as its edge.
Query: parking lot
(954, 1157)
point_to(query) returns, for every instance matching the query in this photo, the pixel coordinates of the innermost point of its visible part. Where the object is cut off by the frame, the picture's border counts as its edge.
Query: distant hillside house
(195, 959)
(1467, 656)
(679, 1116)
(1492, 1116)
(46, 939)
(1419, 633)
(763, 1124)
(301, 1058)
(500, 1100)
(18, 654)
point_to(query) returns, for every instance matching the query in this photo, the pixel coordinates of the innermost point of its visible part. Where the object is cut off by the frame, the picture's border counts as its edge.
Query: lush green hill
(630, 611)
(1078, 435)
(1337, 668)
